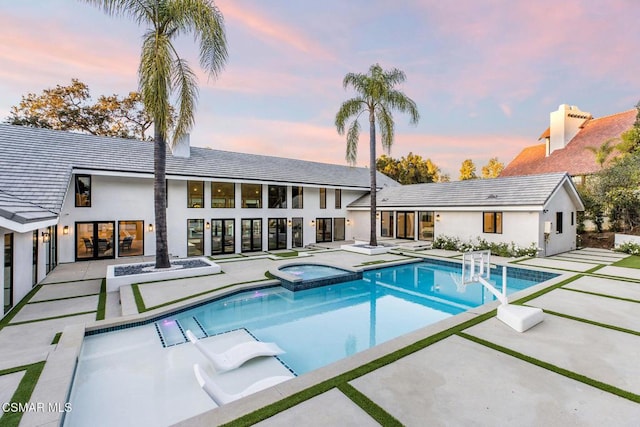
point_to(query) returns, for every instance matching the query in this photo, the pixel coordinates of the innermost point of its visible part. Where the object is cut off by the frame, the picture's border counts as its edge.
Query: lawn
(632, 262)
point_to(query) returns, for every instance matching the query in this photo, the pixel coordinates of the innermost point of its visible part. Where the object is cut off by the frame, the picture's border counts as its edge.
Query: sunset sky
(485, 74)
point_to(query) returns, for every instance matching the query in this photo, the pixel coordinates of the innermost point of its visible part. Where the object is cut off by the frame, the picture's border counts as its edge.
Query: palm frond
(384, 117)
(142, 11)
(353, 135)
(154, 75)
(186, 85)
(397, 100)
(205, 22)
(348, 109)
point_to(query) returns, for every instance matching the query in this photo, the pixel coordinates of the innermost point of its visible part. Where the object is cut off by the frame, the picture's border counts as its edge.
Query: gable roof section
(575, 158)
(19, 215)
(36, 165)
(531, 190)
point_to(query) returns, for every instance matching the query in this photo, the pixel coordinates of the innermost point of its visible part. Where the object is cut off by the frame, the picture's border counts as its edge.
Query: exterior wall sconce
(150, 228)
(437, 217)
(207, 225)
(65, 230)
(348, 222)
(45, 237)
(378, 215)
(289, 222)
(313, 223)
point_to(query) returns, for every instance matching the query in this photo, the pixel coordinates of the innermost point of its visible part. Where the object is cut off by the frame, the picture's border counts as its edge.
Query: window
(338, 199)
(52, 249)
(223, 238)
(572, 218)
(251, 195)
(492, 222)
(338, 228)
(386, 224)
(94, 240)
(83, 191)
(34, 260)
(297, 197)
(195, 237)
(558, 222)
(323, 198)
(277, 197)
(251, 235)
(223, 195)
(323, 230)
(195, 194)
(406, 225)
(277, 233)
(8, 272)
(296, 229)
(130, 238)
(425, 226)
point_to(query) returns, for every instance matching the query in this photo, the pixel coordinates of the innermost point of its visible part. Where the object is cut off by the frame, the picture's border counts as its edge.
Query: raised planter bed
(127, 274)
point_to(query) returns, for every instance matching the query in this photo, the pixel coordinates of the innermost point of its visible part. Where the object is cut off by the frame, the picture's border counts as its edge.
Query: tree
(412, 169)
(69, 108)
(493, 169)
(631, 138)
(377, 97)
(603, 152)
(617, 190)
(467, 170)
(163, 72)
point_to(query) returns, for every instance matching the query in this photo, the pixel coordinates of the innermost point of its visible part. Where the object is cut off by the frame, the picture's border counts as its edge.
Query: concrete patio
(578, 367)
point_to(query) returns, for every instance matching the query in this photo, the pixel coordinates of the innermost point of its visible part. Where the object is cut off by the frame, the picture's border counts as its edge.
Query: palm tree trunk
(372, 171)
(160, 198)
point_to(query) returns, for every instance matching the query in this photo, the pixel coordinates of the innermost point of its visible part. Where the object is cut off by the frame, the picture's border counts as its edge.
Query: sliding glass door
(223, 236)
(251, 235)
(406, 225)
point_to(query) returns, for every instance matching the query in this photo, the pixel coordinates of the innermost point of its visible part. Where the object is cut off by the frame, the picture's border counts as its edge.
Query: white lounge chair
(236, 355)
(221, 397)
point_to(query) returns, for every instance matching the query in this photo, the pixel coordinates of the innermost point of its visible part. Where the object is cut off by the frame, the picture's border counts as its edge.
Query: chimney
(564, 125)
(182, 147)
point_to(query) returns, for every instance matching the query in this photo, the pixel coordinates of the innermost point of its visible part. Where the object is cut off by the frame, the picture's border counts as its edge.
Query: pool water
(321, 325)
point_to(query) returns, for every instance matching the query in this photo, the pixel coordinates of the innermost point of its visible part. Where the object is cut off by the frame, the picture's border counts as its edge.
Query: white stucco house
(526, 210)
(67, 197)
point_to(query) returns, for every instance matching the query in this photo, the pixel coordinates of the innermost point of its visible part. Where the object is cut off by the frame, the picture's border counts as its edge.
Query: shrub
(498, 249)
(629, 248)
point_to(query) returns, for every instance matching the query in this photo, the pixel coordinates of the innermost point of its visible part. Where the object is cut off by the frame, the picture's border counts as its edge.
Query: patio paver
(555, 263)
(628, 273)
(43, 310)
(459, 382)
(66, 290)
(615, 288)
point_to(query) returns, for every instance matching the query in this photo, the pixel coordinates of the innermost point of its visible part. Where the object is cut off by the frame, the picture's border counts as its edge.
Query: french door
(95, 240)
(223, 237)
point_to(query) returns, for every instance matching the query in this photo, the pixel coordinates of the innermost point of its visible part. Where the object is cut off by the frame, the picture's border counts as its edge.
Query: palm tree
(376, 96)
(163, 73)
(602, 153)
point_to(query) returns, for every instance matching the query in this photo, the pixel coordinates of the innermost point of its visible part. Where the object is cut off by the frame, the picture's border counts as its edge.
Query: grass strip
(593, 322)
(594, 269)
(632, 261)
(56, 338)
(556, 369)
(102, 301)
(137, 297)
(289, 254)
(317, 389)
(369, 406)
(44, 319)
(23, 392)
(7, 319)
(602, 295)
(61, 299)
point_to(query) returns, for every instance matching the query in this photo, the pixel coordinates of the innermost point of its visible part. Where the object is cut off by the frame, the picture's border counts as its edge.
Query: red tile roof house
(570, 132)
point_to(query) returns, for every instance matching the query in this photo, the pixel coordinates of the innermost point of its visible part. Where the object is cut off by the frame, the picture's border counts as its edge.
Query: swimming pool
(146, 369)
(312, 271)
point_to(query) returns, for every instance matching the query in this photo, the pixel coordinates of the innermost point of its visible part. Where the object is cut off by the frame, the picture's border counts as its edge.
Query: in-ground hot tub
(295, 277)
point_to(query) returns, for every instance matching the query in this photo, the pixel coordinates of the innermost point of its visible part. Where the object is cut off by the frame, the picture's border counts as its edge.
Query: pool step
(192, 324)
(172, 331)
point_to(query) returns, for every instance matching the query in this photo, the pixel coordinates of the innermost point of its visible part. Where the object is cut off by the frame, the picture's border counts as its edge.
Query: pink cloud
(272, 30)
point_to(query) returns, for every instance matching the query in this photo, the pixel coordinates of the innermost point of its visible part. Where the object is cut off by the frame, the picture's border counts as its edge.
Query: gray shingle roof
(36, 164)
(511, 191)
(22, 212)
